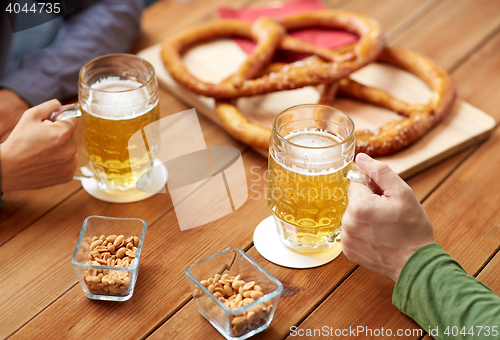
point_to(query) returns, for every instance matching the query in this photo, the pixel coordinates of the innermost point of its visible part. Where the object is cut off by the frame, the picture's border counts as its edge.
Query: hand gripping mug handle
(65, 112)
(357, 176)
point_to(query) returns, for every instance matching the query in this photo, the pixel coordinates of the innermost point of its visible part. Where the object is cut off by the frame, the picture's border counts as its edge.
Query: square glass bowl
(104, 269)
(248, 319)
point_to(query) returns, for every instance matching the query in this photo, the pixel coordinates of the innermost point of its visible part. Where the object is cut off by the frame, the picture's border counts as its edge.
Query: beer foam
(115, 100)
(320, 148)
(313, 139)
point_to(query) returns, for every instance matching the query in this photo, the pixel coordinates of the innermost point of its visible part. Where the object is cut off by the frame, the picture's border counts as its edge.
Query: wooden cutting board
(464, 126)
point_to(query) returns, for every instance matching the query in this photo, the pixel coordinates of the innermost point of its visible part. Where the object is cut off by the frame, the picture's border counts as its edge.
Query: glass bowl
(106, 263)
(243, 317)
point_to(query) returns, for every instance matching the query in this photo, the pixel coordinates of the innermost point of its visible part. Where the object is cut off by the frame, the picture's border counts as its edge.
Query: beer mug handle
(65, 112)
(359, 177)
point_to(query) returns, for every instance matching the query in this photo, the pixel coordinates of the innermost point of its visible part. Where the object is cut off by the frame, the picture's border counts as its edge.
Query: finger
(380, 172)
(67, 123)
(358, 192)
(75, 164)
(41, 112)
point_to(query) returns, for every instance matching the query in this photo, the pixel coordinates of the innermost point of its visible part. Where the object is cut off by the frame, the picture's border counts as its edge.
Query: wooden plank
(464, 125)
(364, 300)
(425, 182)
(459, 25)
(51, 271)
(175, 326)
(476, 78)
(303, 291)
(21, 208)
(66, 303)
(165, 18)
(476, 70)
(458, 194)
(162, 287)
(489, 275)
(34, 277)
(476, 86)
(462, 128)
(409, 12)
(463, 217)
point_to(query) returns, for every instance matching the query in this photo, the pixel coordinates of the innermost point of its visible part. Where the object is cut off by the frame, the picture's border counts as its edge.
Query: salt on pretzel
(268, 35)
(418, 118)
(393, 136)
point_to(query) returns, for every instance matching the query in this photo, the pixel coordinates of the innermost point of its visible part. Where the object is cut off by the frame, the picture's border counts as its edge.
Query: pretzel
(419, 118)
(270, 35)
(393, 136)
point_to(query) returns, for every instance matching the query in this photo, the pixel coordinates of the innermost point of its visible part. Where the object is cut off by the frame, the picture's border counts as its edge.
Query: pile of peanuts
(236, 293)
(111, 251)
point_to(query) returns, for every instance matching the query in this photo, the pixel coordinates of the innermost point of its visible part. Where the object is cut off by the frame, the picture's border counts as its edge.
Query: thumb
(380, 173)
(42, 112)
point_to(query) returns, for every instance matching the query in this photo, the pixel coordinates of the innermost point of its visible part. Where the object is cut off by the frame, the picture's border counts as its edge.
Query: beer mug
(117, 96)
(311, 157)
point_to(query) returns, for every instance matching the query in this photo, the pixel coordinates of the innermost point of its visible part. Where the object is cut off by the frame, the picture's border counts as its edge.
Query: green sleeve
(436, 292)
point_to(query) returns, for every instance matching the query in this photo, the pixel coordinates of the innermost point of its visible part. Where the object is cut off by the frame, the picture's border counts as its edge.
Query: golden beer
(311, 202)
(107, 130)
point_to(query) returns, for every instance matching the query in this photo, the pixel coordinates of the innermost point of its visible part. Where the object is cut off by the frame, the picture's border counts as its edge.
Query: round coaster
(160, 177)
(268, 244)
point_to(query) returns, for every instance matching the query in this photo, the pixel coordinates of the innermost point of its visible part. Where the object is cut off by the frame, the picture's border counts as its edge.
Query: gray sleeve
(106, 26)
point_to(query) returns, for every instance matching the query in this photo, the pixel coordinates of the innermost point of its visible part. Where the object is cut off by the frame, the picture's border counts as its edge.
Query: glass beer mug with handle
(311, 157)
(117, 96)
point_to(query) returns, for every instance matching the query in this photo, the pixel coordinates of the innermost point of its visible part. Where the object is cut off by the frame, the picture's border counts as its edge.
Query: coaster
(268, 244)
(160, 177)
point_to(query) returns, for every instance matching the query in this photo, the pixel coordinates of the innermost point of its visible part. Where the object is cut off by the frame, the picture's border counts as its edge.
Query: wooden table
(41, 298)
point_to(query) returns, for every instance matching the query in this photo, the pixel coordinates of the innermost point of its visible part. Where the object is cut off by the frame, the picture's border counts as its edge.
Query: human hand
(380, 232)
(12, 107)
(39, 153)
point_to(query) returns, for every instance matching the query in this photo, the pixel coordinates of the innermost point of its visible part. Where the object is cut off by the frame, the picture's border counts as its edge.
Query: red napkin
(319, 36)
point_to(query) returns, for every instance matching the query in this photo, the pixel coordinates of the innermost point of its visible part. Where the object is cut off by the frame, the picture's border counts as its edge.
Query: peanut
(121, 252)
(228, 290)
(119, 241)
(235, 293)
(92, 279)
(249, 285)
(111, 251)
(256, 295)
(95, 244)
(111, 248)
(111, 238)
